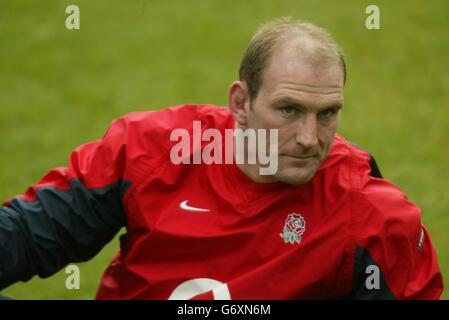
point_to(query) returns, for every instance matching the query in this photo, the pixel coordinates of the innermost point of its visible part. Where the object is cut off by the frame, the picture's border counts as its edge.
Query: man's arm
(69, 215)
(394, 255)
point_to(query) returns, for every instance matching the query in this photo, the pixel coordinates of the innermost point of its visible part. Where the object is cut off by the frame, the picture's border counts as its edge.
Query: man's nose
(306, 134)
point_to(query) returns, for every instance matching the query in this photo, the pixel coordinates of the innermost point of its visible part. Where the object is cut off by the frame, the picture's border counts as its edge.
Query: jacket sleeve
(69, 215)
(394, 255)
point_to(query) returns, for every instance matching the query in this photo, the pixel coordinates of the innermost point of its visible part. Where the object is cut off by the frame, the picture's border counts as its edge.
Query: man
(324, 225)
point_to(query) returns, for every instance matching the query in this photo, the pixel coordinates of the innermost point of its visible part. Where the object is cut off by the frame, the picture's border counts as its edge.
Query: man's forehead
(294, 62)
(320, 85)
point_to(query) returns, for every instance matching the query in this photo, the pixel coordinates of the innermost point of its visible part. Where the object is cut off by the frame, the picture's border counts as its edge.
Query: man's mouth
(301, 157)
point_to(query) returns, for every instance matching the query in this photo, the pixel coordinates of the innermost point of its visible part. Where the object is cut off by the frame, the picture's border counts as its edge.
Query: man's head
(291, 79)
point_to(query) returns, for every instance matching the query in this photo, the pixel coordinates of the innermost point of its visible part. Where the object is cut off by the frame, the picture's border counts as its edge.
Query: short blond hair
(273, 34)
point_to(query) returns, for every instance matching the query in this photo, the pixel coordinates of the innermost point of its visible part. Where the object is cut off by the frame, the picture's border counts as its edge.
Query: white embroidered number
(191, 288)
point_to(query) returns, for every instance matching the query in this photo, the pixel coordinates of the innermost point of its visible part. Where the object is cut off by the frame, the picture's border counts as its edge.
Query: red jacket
(207, 231)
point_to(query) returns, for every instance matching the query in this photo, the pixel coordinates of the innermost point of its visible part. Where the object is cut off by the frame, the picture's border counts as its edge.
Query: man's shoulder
(374, 197)
(148, 135)
(384, 207)
(179, 116)
(381, 206)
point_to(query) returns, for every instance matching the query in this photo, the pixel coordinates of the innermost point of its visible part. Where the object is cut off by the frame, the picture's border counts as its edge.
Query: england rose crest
(294, 227)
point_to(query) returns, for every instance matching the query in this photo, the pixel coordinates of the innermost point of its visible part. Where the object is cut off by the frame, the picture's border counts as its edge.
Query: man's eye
(288, 111)
(327, 114)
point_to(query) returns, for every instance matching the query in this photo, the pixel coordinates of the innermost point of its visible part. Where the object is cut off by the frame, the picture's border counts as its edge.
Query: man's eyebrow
(336, 105)
(290, 103)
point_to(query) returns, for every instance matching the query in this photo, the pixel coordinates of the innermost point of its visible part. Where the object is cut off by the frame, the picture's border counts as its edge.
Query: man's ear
(239, 102)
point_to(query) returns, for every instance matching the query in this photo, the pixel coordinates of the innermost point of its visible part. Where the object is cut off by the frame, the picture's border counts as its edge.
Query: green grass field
(60, 88)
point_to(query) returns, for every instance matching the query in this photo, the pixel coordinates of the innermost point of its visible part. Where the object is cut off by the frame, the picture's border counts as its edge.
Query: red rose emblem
(296, 223)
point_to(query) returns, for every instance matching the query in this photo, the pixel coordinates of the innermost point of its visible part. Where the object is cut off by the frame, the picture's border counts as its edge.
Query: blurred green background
(60, 88)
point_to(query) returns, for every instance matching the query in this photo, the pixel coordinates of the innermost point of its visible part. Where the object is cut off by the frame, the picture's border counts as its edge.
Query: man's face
(303, 102)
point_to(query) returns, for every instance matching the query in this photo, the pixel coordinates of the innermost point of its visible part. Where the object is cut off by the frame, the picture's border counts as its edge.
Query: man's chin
(295, 176)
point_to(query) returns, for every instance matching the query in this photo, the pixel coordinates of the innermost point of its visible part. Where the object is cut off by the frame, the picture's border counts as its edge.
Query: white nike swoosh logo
(183, 205)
